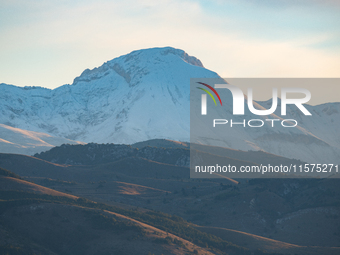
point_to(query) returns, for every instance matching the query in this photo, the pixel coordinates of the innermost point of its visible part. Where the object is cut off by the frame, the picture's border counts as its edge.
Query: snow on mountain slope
(317, 140)
(324, 123)
(20, 141)
(135, 97)
(145, 95)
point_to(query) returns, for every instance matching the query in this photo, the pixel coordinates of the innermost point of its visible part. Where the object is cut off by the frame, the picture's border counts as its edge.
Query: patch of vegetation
(169, 240)
(4, 172)
(101, 221)
(51, 182)
(166, 240)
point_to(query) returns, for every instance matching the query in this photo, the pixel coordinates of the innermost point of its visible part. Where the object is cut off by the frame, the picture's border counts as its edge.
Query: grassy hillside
(291, 211)
(40, 213)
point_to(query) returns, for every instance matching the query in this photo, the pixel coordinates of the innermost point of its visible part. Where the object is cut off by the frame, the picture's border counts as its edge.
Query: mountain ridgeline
(93, 154)
(158, 150)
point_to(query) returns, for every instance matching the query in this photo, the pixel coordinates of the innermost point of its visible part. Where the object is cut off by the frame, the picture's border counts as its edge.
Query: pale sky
(50, 42)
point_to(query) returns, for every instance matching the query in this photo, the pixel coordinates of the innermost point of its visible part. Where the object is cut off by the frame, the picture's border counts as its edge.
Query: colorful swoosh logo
(209, 93)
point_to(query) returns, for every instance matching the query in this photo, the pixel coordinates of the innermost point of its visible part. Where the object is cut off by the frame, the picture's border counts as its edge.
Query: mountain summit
(134, 66)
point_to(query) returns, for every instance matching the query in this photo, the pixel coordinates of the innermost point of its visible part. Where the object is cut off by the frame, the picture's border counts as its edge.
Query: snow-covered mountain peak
(135, 65)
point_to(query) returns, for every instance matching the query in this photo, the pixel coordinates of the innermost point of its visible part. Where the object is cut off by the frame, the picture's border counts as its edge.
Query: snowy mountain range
(145, 95)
